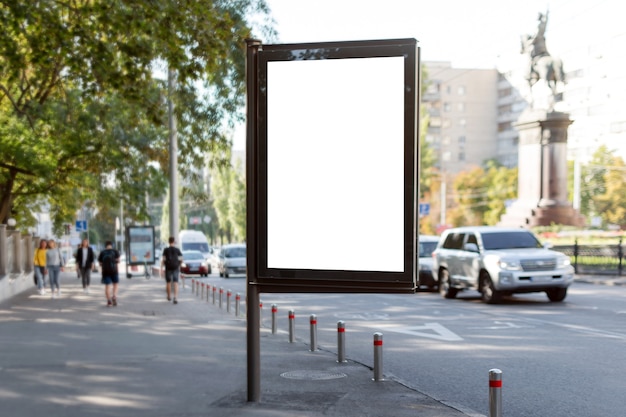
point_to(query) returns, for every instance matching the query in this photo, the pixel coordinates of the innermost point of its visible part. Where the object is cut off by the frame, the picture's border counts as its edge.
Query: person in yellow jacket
(40, 266)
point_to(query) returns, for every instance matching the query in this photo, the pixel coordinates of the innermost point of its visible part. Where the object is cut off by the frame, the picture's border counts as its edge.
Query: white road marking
(430, 330)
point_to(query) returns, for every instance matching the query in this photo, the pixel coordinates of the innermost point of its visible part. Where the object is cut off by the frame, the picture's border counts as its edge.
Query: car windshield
(199, 246)
(426, 248)
(510, 240)
(192, 255)
(235, 252)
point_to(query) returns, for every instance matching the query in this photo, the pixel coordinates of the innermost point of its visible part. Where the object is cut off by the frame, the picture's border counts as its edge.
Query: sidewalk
(74, 357)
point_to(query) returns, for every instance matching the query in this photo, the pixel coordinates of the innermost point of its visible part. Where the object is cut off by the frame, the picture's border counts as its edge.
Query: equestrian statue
(542, 65)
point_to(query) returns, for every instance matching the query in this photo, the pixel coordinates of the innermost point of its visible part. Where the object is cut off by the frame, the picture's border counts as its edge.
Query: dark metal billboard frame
(261, 278)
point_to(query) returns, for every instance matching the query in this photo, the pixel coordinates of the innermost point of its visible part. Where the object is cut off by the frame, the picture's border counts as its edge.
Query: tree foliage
(83, 116)
(480, 194)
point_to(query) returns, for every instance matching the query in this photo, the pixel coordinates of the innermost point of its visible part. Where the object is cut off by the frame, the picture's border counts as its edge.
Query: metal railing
(595, 259)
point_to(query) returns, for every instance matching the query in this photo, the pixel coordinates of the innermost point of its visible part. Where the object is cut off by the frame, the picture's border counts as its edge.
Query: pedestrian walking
(171, 260)
(54, 265)
(84, 263)
(108, 259)
(75, 255)
(40, 266)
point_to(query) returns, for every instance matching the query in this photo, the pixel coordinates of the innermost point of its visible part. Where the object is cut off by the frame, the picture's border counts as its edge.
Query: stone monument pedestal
(542, 173)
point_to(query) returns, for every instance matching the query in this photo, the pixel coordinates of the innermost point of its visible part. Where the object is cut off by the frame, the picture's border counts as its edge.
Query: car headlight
(203, 264)
(509, 265)
(563, 261)
(183, 265)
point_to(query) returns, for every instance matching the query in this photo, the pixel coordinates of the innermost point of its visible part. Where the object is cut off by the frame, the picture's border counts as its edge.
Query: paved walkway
(75, 357)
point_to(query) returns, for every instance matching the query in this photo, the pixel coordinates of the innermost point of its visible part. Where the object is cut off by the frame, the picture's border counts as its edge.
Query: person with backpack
(108, 260)
(171, 259)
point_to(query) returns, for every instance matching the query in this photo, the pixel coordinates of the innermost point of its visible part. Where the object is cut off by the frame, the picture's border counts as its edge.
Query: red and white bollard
(214, 290)
(341, 342)
(378, 357)
(202, 290)
(237, 301)
(313, 325)
(221, 294)
(228, 294)
(274, 311)
(260, 313)
(495, 393)
(208, 290)
(292, 326)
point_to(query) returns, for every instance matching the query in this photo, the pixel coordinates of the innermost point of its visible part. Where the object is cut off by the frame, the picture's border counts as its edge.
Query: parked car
(426, 244)
(194, 263)
(232, 259)
(499, 261)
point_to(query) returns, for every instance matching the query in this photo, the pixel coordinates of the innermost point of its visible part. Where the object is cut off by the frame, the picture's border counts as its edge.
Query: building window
(461, 90)
(504, 126)
(461, 140)
(461, 106)
(461, 156)
(446, 106)
(462, 122)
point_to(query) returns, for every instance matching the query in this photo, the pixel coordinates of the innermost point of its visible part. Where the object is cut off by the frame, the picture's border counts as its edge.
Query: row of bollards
(200, 289)
(495, 375)
(203, 290)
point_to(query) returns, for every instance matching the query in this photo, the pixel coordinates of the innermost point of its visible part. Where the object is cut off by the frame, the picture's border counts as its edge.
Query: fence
(595, 259)
(16, 261)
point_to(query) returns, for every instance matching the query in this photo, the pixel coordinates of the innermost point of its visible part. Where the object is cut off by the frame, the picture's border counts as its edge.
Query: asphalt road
(557, 359)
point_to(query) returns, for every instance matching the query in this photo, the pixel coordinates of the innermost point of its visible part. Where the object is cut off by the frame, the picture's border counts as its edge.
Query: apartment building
(463, 122)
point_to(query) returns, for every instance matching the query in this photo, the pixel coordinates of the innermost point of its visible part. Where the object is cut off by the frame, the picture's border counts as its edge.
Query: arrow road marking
(430, 330)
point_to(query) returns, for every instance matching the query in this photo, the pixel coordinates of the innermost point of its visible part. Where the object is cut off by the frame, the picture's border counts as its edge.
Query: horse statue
(543, 66)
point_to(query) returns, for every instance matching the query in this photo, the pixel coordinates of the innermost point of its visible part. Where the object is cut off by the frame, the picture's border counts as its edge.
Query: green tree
(83, 117)
(593, 183)
(481, 194)
(612, 202)
(237, 203)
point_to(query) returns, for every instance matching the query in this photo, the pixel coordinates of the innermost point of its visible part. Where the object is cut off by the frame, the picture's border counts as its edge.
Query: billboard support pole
(252, 295)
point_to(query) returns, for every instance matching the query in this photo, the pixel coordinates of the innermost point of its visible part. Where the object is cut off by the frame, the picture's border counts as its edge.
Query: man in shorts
(108, 259)
(170, 261)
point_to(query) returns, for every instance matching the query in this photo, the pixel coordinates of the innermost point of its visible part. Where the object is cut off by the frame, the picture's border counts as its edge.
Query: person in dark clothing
(84, 263)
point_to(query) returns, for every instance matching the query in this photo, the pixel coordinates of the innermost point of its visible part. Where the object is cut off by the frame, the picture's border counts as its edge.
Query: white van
(194, 240)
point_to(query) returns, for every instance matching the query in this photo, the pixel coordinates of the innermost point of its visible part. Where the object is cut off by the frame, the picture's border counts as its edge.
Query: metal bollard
(221, 293)
(208, 290)
(274, 311)
(341, 341)
(378, 357)
(214, 289)
(260, 313)
(495, 393)
(292, 326)
(193, 285)
(313, 325)
(237, 301)
(228, 294)
(202, 290)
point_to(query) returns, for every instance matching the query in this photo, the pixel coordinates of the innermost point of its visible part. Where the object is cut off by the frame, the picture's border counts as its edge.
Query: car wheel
(445, 289)
(225, 274)
(556, 294)
(489, 294)
(221, 274)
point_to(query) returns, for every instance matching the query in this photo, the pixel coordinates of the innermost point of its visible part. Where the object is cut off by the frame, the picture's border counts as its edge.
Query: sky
(468, 34)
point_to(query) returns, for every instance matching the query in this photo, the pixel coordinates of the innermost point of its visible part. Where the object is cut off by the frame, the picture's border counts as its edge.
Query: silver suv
(499, 261)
